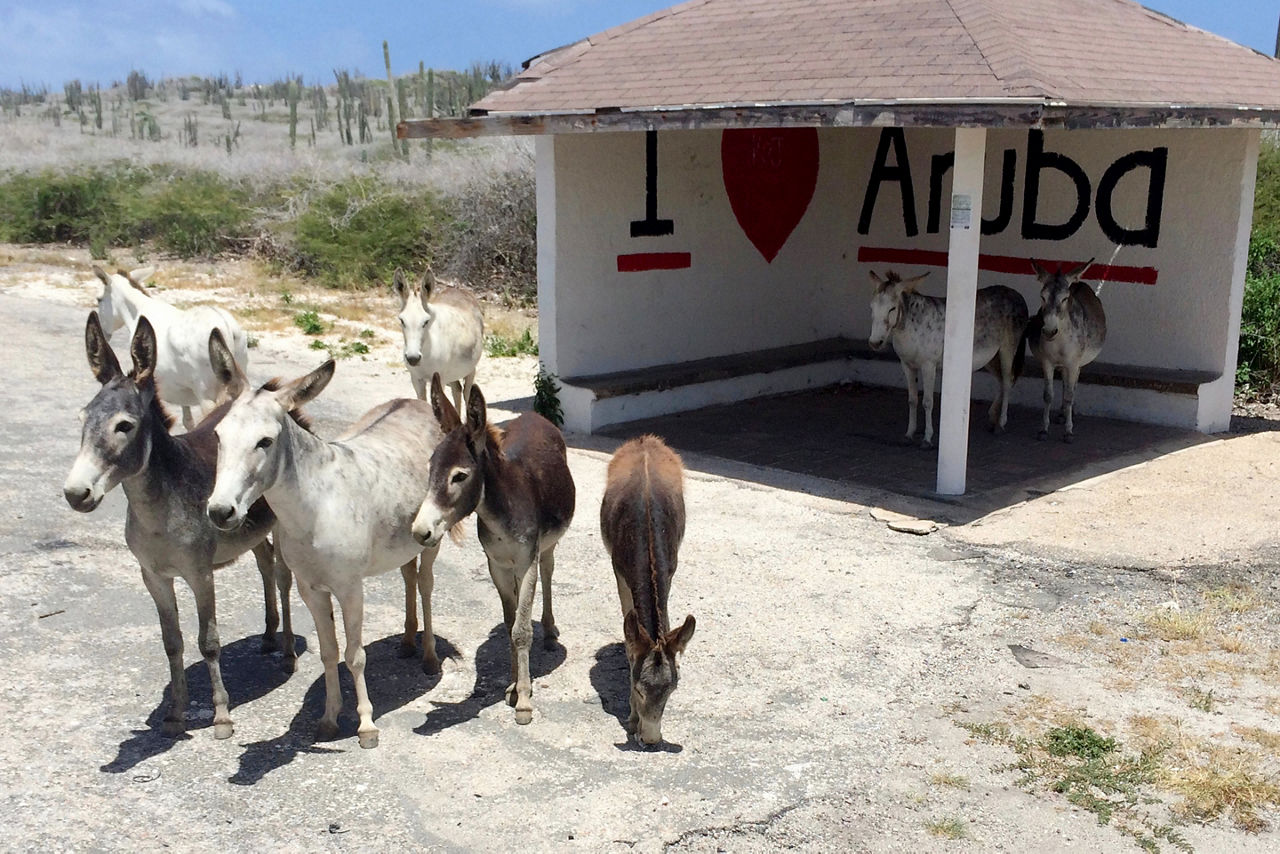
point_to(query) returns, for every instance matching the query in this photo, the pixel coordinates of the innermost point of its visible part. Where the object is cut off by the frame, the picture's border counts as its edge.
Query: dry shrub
(492, 242)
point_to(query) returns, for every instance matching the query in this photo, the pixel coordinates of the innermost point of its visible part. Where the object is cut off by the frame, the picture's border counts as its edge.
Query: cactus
(293, 114)
(400, 147)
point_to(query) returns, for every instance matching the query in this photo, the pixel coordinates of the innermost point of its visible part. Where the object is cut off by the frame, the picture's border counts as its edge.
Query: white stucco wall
(730, 300)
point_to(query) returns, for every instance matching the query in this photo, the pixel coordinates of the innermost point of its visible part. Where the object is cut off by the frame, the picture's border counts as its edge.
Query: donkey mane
(136, 284)
(652, 536)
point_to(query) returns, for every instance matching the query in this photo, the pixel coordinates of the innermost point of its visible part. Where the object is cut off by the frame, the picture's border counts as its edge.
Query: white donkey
(183, 373)
(443, 334)
(1068, 332)
(916, 326)
(343, 508)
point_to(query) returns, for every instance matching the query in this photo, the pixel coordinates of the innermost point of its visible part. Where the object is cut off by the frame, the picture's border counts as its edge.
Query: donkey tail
(1030, 334)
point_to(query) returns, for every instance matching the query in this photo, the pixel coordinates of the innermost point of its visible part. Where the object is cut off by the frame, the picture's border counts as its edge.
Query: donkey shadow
(248, 675)
(611, 677)
(493, 675)
(392, 681)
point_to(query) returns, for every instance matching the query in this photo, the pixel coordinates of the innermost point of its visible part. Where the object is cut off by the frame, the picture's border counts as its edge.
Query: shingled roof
(1096, 60)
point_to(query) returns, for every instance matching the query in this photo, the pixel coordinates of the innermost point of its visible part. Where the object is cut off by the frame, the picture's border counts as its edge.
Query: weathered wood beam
(1033, 114)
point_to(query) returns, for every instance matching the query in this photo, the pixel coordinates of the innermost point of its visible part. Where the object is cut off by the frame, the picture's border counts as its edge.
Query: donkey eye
(459, 477)
(124, 427)
(264, 443)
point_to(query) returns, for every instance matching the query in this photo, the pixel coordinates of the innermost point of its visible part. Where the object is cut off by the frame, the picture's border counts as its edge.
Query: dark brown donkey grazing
(517, 481)
(642, 521)
(167, 480)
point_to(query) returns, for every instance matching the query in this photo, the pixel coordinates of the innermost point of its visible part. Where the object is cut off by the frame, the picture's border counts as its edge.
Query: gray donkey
(167, 479)
(1068, 332)
(916, 326)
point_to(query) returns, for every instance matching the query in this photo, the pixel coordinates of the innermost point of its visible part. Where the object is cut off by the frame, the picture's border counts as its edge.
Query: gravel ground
(819, 702)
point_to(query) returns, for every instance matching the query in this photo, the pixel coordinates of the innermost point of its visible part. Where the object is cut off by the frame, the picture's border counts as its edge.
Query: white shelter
(716, 179)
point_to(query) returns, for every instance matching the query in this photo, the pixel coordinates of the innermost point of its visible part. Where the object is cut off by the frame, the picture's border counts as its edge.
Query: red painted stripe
(1006, 264)
(640, 261)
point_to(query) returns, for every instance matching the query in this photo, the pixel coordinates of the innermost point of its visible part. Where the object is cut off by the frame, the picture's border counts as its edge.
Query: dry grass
(1175, 624)
(1215, 781)
(950, 779)
(948, 827)
(1258, 735)
(1234, 598)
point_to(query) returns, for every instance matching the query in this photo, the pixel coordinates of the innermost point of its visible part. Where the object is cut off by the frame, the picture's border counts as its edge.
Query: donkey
(518, 483)
(343, 508)
(443, 334)
(1068, 332)
(182, 370)
(642, 524)
(126, 440)
(916, 326)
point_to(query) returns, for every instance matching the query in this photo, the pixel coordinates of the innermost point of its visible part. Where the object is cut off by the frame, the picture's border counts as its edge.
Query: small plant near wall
(546, 396)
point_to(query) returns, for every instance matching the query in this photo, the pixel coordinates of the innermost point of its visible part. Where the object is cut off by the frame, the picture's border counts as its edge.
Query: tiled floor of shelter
(854, 434)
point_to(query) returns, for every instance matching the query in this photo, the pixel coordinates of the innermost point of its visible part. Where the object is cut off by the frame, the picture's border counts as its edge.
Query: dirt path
(849, 687)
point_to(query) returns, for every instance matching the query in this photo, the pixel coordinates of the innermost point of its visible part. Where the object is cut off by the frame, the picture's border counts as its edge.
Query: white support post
(962, 289)
(1213, 404)
(545, 198)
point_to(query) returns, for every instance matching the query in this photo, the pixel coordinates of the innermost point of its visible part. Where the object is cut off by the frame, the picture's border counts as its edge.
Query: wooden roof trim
(1013, 112)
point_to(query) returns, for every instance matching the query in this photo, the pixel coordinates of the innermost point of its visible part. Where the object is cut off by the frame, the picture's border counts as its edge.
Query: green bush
(1258, 362)
(196, 214)
(95, 206)
(357, 233)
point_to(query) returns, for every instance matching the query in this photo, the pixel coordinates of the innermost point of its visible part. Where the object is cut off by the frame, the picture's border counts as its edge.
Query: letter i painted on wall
(652, 225)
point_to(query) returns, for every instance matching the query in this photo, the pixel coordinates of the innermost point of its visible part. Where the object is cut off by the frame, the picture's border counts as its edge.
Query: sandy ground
(822, 702)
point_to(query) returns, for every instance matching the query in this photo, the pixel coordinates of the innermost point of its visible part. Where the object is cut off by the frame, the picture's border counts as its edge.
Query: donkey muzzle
(223, 516)
(80, 498)
(412, 361)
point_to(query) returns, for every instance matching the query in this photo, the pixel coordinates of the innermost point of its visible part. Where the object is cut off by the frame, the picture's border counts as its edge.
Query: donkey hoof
(1043, 435)
(223, 729)
(407, 649)
(173, 729)
(369, 740)
(430, 665)
(289, 664)
(524, 717)
(326, 731)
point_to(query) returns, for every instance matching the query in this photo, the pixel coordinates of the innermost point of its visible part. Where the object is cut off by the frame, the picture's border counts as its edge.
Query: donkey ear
(476, 415)
(399, 285)
(442, 407)
(1041, 273)
(139, 276)
(102, 359)
(876, 281)
(1076, 272)
(428, 284)
(305, 389)
(101, 274)
(675, 641)
(143, 351)
(637, 639)
(909, 285)
(225, 368)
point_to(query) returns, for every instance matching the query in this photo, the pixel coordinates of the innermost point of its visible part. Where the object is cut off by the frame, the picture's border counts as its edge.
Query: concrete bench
(597, 400)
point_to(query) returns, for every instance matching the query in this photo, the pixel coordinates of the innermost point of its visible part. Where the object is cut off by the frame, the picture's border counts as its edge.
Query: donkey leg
(521, 640)
(467, 382)
(352, 600)
(1070, 374)
(187, 421)
(408, 645)
(320, 604)
(928, 374)
(264, 555)
(1047, 369)
(284, 583)
(909, 372)
(161, 590)
(546, 566)
(1006, 388)
(458, 399)
(211, 649)
(426, 583)
(419, 385)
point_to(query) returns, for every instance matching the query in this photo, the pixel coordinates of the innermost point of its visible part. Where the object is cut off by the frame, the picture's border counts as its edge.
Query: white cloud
(215, 8)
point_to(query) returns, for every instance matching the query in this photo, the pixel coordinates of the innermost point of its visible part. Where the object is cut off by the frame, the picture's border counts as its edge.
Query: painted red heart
(769, 175)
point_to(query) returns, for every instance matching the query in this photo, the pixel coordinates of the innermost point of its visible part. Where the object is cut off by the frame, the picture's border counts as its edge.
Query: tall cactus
(293, 113)
(400, 147)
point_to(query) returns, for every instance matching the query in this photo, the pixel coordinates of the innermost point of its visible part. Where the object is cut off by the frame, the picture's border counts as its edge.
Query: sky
(53, 41)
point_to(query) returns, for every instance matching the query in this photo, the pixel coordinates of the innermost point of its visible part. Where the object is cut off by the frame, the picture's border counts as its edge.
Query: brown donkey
(518, 483)
(642, 521)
